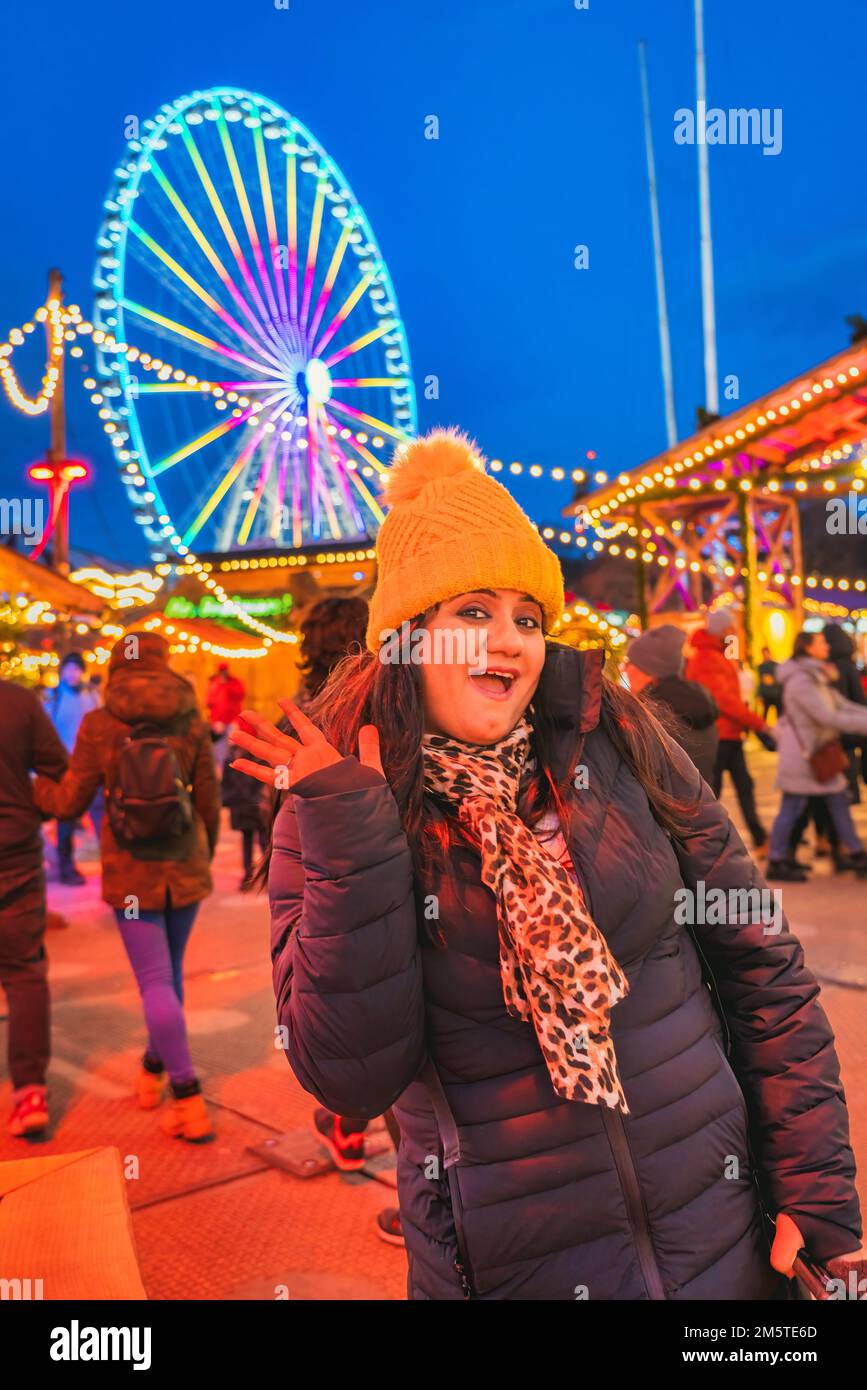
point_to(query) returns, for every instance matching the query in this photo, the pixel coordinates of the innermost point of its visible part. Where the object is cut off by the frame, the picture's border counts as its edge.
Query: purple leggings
(155, 943)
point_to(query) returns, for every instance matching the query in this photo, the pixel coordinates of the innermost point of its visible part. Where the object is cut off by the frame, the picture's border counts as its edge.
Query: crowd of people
(820, 733)
(472, 874)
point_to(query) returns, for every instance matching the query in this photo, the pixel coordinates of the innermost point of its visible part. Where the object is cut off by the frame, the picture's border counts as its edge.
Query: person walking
(480, 891)
(28, 743)
(815, 715)
(152, 752)
(654, 669)
(248, 806)
(841, 654)
(710, 666)
(224, 699)
(67, 704)
(769, 686)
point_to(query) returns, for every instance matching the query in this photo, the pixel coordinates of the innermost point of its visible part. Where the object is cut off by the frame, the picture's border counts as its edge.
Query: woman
(155, 887)
(814, 713)
(841, 654)
(474, 892)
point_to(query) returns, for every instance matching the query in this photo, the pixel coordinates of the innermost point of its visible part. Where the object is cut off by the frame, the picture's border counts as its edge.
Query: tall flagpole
(661, 305)
(711, 388)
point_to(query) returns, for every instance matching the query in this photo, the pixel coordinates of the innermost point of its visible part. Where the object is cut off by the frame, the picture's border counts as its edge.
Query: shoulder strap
(430, 1078)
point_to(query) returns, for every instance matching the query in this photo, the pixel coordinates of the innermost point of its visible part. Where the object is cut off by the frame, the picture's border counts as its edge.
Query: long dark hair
(364, 690)
(803, 643)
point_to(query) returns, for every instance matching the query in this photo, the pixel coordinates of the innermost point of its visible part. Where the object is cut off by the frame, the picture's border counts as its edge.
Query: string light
(57, 320)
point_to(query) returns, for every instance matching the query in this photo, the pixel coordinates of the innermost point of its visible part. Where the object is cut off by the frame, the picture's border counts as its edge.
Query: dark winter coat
(696, 713)
(28, 743)
(244, 796)
(849, 685)
(537, 1197)
(180, 866)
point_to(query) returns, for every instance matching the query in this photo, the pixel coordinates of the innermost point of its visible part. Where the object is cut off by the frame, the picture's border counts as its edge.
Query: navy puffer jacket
(506, 1190)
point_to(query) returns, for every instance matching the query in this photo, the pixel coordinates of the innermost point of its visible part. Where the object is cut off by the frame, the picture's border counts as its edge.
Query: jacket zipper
(636, 1210)
(462, 1263)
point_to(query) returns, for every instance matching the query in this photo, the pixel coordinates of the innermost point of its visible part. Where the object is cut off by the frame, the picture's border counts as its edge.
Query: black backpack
(148, 799)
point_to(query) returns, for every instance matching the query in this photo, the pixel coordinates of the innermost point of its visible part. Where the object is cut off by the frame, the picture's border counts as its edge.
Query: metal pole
(57, 448)
(711, 388)
(661, 305)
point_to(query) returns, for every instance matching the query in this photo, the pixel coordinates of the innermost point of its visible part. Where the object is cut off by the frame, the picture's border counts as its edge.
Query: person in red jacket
(225, 700)
(711, 667)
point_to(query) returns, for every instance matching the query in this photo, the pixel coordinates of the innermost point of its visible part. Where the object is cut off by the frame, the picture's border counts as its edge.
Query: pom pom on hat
(440, 454)
(452, 528)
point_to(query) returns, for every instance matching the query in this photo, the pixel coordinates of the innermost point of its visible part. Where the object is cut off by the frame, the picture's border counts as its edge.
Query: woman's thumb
(368, 747)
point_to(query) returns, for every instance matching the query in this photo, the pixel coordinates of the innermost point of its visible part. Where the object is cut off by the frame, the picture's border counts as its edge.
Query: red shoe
(346, 1149)
(30, 1115)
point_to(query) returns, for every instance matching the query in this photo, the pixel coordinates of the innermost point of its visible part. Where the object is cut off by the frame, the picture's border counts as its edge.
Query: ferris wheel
(251, 355)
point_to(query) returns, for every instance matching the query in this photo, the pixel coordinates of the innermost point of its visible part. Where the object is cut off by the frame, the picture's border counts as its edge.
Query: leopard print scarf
(556, 968)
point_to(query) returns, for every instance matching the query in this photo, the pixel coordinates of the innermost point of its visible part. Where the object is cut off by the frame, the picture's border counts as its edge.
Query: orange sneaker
(30, 1115)
(189, 1119)
(149, 1088)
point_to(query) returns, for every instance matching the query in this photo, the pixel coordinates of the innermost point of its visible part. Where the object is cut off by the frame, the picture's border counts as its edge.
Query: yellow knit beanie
(452, 528)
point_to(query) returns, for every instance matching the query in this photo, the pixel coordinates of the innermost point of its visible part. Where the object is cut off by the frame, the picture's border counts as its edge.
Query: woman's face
(496, 633)
(819, 647)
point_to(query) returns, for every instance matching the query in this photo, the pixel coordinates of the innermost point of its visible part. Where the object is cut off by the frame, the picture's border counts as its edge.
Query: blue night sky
(541, 148)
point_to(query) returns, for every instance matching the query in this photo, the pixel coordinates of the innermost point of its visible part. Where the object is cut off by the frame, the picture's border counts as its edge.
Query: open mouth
(495, 682)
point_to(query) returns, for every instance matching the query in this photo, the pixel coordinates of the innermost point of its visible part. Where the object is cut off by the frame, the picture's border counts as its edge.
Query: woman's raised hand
(286, 760)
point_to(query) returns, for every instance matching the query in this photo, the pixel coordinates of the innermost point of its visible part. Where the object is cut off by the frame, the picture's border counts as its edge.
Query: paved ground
(216, 1222)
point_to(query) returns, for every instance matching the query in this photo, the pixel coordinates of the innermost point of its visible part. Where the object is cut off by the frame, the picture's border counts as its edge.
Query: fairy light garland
(191, 642)
(57, 320)
(669, 475)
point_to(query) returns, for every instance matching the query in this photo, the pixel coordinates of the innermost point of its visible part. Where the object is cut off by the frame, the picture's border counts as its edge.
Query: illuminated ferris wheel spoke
(246, 211)
(367, 419)
(359, 343)
(230, 477)
(344, 311)
(292, 234)
(203, 440)
(201, 293)
(178, 328)
(221, 216)
(262, 483)
(368, 496)
(330, 277)
(207, 249)
(344, 474)
(354, 383)
(313, 246)
(338, 463)
(270, 218)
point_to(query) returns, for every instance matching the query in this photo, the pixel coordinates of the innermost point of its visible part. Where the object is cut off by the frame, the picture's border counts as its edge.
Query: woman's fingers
(277, 754)
(304, 727)
(261, 774)
(265, 729)
(788, 1240)
(368, 747)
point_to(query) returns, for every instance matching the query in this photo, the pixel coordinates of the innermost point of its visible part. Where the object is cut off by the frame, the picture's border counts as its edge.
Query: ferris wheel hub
(317, 381)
